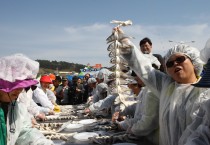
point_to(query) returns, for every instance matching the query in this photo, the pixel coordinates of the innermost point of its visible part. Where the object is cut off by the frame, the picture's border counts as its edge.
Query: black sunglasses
(179, 59)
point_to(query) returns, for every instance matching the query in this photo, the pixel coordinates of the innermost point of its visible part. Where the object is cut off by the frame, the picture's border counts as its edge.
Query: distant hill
(47, 66)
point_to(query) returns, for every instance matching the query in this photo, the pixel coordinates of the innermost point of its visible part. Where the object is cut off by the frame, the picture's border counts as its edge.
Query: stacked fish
(120, 66)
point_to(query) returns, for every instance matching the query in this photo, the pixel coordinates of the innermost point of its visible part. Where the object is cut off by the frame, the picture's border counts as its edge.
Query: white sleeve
(51, 95)
(95, 95)
(142, 66)
(24, 133)
(40, 97)
(102, 104)
(34, 109)
(199, 137)
(149, 118)
(198, 130)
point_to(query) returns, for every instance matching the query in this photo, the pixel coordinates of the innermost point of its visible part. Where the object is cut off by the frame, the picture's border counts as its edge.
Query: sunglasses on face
(178, 60)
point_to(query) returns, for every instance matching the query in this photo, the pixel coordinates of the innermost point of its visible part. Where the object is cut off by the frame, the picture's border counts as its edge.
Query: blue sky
(76, 30)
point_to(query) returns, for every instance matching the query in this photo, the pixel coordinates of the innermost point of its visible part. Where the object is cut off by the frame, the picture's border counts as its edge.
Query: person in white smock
(17, 73)
(177, 96)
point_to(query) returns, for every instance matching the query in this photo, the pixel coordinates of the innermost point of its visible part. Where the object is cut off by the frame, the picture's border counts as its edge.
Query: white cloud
(87, 44)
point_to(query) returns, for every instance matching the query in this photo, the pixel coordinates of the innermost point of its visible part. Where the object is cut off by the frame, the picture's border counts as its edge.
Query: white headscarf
(91, 80)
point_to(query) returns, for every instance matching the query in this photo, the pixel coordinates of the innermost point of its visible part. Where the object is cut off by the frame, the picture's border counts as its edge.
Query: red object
(98, 66)
(52, 76)
(46, 79)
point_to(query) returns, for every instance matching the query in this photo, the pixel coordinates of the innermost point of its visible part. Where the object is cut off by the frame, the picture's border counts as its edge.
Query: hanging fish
(111, 46)
(119, 44)
(112, 68)
(118, 60)
(112, 84)
(120, 81)
(117, 36)
(114, 53)
(120, 74)
(122, 23)
(124, 45)
(124, 75)
(122, 67)
(117, 83)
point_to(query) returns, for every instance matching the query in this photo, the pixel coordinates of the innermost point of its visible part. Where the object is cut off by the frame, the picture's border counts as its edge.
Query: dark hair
(58, 78)
(145, 40)
(87, 74)
(161, 60)
(75, 78)
(133, 74)
(64, 79)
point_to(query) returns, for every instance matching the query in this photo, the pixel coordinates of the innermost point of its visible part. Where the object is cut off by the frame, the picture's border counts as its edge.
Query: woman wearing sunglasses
(179, 100)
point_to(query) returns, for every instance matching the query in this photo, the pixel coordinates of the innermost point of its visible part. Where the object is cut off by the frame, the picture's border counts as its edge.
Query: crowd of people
(162, 101)
(173, 102)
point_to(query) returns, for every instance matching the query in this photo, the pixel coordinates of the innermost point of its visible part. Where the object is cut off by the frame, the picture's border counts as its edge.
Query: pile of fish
(49, 126)
(57, 136)
(59, 118)
(50, 131)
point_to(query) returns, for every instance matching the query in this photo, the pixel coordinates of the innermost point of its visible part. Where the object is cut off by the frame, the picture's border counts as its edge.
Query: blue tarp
(69, 77)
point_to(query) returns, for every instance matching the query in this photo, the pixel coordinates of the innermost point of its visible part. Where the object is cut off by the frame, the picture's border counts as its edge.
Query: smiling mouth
(177, 70)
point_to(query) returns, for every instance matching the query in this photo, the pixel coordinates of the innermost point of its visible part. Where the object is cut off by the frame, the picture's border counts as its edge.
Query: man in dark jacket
(76, 92)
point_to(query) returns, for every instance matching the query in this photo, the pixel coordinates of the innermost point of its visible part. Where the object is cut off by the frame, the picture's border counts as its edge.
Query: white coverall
(146, 117)
(32, 107)
(19, 119)
(39, 96)
(198, 132)
(100, 89)
(114, 101)
(179, 103)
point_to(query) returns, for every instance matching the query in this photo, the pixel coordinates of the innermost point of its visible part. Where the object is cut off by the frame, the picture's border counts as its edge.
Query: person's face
(146, 48)
(92, 85)
(13, 95)
(45, 85)
(79, 81)
(65, 82)
(135, 89)
(87, 77)
(99, 80)
(56, 83)
(181, 69)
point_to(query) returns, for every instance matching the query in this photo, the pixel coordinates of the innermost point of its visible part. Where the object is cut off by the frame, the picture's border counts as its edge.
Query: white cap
(91, 80)
(192, 52)
(18, 67)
